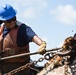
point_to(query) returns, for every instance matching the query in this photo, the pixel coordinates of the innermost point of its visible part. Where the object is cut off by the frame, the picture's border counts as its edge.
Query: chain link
(66, 65)
(66, 69)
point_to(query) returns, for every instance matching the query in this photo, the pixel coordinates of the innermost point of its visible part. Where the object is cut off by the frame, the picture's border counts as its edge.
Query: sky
(51, 20)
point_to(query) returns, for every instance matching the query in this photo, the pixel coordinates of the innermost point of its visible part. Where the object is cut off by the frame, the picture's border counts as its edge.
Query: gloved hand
(42, 48)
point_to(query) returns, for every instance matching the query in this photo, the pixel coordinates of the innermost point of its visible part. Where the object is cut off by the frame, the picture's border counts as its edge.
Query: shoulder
(25, 28)
(21, 25)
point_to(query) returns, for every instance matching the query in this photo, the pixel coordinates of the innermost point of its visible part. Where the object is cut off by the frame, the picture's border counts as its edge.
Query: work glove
(42, 48)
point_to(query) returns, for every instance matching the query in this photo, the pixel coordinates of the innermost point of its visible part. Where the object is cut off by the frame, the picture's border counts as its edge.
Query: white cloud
(29, 13)
(31, 8)
(65, 14)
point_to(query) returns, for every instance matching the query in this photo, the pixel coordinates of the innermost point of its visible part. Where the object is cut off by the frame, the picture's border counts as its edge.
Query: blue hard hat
(7, 12)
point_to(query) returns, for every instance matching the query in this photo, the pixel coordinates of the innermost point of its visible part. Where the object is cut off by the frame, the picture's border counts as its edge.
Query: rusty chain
(66, 69)
(46, 57)
(66, 65)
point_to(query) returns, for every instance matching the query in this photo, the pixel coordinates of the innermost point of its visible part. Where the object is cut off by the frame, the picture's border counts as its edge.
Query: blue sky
(52, 20)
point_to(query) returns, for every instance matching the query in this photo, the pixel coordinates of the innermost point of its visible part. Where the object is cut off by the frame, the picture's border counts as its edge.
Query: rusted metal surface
(58, 65)
(55, 67)
(56, 71)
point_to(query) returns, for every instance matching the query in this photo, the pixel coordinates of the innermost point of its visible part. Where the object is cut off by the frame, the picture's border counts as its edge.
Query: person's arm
(31, 36)
(37, 40)
(42, 44)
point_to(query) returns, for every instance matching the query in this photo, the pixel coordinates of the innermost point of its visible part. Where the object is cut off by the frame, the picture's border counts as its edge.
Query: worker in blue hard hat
(15, 37)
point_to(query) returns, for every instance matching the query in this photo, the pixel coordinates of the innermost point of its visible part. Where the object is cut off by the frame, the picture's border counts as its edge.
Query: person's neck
(9, 28)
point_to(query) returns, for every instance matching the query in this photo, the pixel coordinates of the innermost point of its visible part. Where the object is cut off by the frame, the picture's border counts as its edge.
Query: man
(14, 39)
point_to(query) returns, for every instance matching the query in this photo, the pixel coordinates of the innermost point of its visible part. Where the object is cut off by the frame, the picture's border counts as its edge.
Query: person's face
(10, 24)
